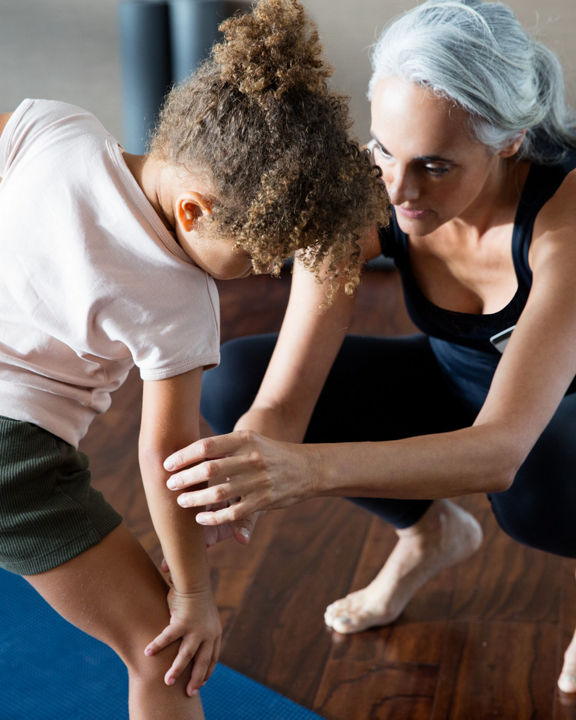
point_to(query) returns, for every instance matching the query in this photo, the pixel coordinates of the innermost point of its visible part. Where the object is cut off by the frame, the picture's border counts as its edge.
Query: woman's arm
(170, 417)
(538, 365)
(309, 340)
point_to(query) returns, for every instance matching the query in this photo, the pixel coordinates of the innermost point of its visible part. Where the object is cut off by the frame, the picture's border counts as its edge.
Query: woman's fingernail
(245, 533)
(172, 484)
(202, 518)
(169, 463)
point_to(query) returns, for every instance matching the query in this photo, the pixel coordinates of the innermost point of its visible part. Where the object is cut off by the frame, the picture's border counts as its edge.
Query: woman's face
(434, 171)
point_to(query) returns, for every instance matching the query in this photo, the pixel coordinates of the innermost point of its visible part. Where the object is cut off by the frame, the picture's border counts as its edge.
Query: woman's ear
(190, 208)
(511, 149)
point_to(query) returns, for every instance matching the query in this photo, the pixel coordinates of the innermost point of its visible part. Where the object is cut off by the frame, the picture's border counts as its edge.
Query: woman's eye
(380, 150)
(436, 170)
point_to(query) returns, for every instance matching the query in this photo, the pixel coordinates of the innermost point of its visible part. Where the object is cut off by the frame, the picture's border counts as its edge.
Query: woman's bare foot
(567, 679)
(445, 535)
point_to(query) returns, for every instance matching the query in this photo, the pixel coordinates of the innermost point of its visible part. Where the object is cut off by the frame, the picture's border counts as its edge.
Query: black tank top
(461, 341)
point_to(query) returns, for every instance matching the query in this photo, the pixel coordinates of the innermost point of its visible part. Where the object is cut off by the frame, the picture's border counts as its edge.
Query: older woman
(477, 151)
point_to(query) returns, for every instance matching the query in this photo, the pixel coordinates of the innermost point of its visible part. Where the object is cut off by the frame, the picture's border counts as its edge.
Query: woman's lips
(411, 213)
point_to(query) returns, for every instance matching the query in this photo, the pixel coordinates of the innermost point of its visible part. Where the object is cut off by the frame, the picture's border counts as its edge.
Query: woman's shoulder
(556, 220)
(563, 199)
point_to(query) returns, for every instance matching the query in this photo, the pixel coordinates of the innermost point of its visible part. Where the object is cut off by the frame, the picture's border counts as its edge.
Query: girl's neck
(148, 172)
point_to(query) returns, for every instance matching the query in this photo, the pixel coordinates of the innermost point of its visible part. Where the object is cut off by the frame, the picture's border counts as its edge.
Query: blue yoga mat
(49, 670)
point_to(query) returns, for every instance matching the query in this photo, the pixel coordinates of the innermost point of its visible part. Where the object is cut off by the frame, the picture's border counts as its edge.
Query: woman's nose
(402, 186)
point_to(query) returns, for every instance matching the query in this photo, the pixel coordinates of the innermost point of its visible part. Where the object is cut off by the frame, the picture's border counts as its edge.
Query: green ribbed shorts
(49, 512)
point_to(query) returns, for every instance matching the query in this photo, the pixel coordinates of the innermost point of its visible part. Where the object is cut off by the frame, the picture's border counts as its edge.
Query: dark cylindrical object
(146, 66)
(194, 29)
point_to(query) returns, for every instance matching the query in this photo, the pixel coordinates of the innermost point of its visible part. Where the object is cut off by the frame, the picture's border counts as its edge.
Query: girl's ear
(190, 207)
(514, 146)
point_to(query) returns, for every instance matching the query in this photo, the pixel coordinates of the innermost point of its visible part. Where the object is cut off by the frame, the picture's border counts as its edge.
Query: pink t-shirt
(92, 281)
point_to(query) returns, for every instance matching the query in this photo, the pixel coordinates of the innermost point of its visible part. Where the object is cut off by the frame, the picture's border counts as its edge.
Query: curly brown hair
(259, 118)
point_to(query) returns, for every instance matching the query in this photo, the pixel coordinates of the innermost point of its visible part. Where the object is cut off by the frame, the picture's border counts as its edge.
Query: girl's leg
(378, 389)
(114, 593)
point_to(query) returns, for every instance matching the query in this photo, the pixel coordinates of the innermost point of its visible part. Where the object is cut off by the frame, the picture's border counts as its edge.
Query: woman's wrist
(318, 472)
(273, 422)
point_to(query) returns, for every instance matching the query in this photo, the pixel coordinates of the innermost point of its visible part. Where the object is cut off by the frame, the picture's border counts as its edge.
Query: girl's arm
(170, 417)
(538, 365)
(4, 117)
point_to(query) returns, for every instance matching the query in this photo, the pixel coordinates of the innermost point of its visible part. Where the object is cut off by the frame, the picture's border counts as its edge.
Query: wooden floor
(482, 640)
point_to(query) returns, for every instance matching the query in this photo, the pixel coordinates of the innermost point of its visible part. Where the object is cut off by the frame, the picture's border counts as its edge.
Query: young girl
(106, 263)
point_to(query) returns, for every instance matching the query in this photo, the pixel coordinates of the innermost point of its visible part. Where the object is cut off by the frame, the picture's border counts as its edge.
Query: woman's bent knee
(229, 389)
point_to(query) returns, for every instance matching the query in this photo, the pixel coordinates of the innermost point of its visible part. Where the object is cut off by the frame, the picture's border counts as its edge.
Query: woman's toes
(352, 614)
(567, 680)
(338, 617)
(335, 611)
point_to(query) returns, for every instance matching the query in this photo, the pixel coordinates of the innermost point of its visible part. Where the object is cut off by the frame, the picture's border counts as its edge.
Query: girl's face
(183, 200)
(434, 171)
(216, 255)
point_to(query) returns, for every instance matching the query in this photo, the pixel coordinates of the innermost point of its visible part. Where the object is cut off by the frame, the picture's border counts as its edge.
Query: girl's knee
(147, 670)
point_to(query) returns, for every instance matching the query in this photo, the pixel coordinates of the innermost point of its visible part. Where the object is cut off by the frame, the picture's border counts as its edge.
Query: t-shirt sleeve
(187, 333)
(171, 327)
(9, 137)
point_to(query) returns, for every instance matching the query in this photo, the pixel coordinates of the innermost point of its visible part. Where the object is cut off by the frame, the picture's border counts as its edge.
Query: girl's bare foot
(567, 679)
(445, 535)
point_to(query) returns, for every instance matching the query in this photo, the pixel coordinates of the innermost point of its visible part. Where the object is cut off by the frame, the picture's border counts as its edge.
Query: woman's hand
(240, 530)
(195, 623)
(251, 471)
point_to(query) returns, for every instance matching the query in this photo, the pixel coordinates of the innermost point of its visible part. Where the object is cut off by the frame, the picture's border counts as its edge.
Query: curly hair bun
(272, 50)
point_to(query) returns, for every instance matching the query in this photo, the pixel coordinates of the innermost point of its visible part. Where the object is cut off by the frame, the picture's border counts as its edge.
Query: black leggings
(390, 388)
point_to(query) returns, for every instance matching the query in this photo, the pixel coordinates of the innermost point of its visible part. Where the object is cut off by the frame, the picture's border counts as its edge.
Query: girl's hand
(251, 471)
(195, 623)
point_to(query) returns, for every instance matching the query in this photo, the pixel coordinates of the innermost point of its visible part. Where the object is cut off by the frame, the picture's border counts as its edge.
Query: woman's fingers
(206, 448)
(216, 495)
(212, 471)
(237, 511)
(259, 474)
(243, 529)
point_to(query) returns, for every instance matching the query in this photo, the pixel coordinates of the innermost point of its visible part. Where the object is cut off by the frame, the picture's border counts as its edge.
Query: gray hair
(476, 54)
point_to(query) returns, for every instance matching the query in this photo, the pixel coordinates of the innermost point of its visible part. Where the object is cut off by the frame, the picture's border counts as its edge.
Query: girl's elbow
(150, 457)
